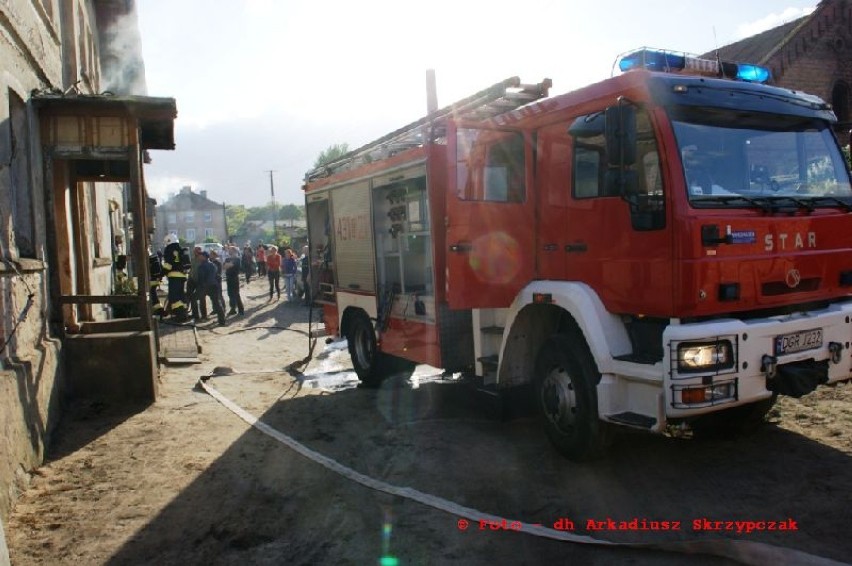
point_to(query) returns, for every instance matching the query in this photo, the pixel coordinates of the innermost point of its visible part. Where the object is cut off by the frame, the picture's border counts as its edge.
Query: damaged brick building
(73, 209)
(811, 54)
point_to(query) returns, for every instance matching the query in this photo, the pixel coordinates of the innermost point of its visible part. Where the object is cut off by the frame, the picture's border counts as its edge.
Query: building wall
(44, 45)
(819, 56)
(29, 365)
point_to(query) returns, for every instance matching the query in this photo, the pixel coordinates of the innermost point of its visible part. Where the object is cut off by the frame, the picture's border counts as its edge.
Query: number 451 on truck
(670, 245)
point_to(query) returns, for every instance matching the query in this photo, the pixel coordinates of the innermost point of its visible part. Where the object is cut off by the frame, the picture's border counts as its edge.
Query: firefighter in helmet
(175, 265)
(155, 267)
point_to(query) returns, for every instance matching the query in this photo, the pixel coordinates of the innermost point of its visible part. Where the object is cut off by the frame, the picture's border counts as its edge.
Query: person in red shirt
(273, 270)
(260, 257)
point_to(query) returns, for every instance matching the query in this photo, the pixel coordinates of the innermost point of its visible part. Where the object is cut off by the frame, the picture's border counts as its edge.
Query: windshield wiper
(727, 199)
(800, 203)
(766, 203)
(834, 200)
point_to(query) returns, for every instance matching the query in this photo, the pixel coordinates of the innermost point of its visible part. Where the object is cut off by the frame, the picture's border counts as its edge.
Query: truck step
(633, 419)
(488, 391)
(489, 362)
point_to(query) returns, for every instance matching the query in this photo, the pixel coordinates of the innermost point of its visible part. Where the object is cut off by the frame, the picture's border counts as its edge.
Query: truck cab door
(489, 216)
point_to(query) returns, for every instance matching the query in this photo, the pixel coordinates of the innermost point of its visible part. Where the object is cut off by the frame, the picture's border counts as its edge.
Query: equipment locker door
(490, 217)
(354, 257)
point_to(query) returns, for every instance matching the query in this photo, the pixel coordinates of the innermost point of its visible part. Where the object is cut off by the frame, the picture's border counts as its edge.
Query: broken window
(23, 220)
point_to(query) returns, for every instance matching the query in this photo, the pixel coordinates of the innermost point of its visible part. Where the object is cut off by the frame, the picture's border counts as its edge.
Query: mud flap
(798, 378)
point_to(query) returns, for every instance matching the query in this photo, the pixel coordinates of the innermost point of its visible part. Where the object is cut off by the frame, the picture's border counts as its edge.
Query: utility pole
(225, 216)
(274, 211)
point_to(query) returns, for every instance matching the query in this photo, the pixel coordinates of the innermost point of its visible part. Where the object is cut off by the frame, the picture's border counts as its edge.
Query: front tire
(566, 398)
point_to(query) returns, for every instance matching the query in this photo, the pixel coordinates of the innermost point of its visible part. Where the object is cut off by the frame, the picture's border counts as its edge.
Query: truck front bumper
(723, 363)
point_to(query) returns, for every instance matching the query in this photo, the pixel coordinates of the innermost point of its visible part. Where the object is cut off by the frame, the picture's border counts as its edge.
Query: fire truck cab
(670, 245)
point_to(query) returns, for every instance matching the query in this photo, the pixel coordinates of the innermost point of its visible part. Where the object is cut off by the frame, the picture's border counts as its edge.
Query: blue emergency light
(652, 60)
(669, 62)
(752, 73)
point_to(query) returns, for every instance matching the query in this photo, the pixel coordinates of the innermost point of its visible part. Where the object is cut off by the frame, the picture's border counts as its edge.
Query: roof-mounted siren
(663, 61)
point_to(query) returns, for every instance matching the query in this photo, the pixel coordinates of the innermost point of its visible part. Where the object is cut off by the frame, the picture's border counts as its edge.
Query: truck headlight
(693, 357)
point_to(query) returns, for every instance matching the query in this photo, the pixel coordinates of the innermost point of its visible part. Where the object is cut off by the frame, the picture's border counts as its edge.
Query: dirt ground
(185, 481)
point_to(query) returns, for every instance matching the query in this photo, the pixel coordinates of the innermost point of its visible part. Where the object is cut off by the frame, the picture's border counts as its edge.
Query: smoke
(122, 66)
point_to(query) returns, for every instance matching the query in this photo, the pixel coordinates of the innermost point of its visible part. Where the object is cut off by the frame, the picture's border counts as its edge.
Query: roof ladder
(499, 98)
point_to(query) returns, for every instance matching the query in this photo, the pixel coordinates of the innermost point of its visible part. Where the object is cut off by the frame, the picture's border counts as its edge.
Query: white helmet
(170, 239)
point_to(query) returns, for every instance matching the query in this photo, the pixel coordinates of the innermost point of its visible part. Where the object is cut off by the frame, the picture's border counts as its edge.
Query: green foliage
(846, 155)
(291, 212)
(238, 215)
(331, 153)
(266, 236)
(263, 213)
(124, 285)
(235, 216)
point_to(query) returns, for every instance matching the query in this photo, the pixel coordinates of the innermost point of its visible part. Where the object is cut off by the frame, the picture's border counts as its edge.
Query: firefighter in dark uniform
(176, 264)
(155, 267)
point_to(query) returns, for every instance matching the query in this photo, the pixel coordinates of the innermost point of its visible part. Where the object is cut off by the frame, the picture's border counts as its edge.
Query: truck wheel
(364, 351)
(566, 381)
(371, 365)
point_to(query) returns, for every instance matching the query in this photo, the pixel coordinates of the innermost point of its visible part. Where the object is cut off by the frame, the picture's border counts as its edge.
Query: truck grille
(775, 288)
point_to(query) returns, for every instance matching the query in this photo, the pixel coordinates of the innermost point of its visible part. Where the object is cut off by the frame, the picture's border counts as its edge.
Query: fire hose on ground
(745, 552)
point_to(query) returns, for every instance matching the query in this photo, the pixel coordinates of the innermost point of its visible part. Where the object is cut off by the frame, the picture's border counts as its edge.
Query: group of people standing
(196, 277)
(266, 260)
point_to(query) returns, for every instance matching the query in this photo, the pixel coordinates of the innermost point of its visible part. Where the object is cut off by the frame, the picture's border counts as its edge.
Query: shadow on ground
(261, 503)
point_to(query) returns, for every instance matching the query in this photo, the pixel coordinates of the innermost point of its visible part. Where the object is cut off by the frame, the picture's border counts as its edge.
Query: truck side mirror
(621, 134)
(587, 126)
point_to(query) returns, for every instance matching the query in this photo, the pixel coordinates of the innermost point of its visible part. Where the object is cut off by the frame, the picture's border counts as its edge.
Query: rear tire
(371, 365)
(566, 380)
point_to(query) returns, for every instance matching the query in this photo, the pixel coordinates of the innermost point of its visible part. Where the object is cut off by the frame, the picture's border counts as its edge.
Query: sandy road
(184, 481)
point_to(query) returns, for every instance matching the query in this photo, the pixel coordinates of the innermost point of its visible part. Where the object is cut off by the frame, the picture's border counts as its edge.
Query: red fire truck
(670, 245)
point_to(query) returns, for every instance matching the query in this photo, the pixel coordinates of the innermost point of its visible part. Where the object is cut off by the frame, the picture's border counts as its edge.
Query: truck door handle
(461, 247)
(577, 247)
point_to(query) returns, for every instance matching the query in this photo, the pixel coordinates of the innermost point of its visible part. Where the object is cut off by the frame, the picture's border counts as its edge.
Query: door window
(490, 166)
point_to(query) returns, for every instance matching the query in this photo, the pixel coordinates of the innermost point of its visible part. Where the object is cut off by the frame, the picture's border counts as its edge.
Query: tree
(331, 153)
(262, 212)
(235, 216)
(290, 212)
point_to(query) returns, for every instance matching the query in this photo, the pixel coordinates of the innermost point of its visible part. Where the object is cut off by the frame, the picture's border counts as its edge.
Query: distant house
(192, 216)
(811, 54)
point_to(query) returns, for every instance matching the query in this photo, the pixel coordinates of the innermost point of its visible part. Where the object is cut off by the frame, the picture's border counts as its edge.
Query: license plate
(798, 341)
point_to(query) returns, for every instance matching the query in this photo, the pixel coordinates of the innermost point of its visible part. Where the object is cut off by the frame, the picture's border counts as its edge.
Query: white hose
(746, 552)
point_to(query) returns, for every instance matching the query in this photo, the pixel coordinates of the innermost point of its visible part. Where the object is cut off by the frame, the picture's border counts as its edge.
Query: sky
(266, 85)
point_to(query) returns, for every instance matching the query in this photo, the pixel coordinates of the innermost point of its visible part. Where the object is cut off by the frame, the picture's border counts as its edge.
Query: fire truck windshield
(750, 159)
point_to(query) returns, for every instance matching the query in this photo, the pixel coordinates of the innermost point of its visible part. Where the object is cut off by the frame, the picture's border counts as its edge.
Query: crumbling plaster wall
(30, 379)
